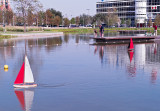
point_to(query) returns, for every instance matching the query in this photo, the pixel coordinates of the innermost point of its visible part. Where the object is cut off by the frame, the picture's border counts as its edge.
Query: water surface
(73, 75)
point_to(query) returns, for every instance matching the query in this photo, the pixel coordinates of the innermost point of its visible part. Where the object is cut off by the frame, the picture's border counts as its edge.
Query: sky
(71, 8)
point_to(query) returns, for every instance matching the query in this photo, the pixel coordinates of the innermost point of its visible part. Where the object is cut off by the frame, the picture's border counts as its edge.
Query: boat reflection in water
(131, 68)
(25, 97)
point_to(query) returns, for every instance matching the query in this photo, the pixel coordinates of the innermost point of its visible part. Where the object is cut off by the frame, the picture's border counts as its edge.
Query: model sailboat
(25, 98)
(25, 77)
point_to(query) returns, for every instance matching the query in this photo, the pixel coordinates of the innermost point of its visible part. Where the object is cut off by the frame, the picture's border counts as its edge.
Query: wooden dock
(132, 31)
(125, 39)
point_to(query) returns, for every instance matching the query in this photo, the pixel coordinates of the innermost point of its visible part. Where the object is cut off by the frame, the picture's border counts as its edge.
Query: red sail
(20, 97)
(20, 77)
(131, 44)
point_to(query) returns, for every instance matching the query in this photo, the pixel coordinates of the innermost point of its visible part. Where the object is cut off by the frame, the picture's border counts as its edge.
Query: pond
(74, 75)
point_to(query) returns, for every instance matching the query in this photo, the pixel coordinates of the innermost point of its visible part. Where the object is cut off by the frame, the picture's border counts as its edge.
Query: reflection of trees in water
(35, 48)
(85, 37)
(45, 41)
(66, 38)
(6, 43)
(50, 43)
(6, 50)
(77, 37)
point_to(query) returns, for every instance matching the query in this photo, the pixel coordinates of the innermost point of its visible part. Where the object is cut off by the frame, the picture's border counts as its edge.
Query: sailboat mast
(25, 48)
(25, 60)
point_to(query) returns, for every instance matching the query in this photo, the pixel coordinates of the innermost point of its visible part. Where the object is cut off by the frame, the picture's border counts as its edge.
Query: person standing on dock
(101, 30)
(155, 30)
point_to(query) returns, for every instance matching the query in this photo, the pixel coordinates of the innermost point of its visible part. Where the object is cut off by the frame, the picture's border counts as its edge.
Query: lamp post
(88, 16)
(83, 20)
(4, 21)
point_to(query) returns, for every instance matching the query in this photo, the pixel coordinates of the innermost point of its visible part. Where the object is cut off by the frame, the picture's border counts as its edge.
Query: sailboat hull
(24, 86)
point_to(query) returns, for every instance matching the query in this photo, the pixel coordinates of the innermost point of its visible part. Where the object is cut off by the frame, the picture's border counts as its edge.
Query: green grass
(5, 36)
(91, 30)
(13, 30)
(71, 30)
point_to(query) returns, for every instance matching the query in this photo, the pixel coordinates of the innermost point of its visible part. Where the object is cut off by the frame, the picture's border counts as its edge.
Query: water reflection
(145, 57)
(25, 98)
(131, 68)
(14, 50)
(101, 52)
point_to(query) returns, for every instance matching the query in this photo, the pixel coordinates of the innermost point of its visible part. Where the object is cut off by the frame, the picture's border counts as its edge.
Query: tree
(1, 16)
(77, 21)
(157, 20)
(150, 22)
(66, 22)
(57, 21)
(56, 13)
(122, 21)
(73, 21)
(111, 18)
(41, 18)
(9, 17)
(49, 17)
(128, 22)
(99, 19)
(23, 6)
(30, 18)
(83, 19)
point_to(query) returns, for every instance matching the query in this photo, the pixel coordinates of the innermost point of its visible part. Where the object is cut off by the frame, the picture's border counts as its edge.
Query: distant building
(5, 4)
(139, 11)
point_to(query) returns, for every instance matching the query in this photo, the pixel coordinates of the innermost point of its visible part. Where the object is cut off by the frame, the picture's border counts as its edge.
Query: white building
(139, 11)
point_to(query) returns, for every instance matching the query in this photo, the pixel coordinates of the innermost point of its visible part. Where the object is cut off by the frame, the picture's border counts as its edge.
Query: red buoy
(131, 47)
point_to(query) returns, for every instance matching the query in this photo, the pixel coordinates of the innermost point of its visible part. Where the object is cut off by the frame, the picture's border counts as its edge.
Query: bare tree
(150, 22)
(112, 17)
(25, 6)
(157, 20)
(77, 20)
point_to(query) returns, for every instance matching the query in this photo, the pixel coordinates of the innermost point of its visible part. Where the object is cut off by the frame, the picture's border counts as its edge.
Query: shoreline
(35, 35)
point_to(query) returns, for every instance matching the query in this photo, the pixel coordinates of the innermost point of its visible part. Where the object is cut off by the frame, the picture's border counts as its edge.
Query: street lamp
(88, 16)
(4, 21)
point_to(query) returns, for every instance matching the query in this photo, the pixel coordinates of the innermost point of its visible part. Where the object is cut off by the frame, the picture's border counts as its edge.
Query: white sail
(28, 97)
(28, 75)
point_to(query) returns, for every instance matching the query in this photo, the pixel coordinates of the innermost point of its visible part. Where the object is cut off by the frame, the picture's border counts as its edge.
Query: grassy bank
(91, 30)
(5, 36)
(72, 30)
(16, 29)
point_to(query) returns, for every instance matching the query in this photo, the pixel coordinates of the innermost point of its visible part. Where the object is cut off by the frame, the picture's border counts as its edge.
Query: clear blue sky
(71, 8)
